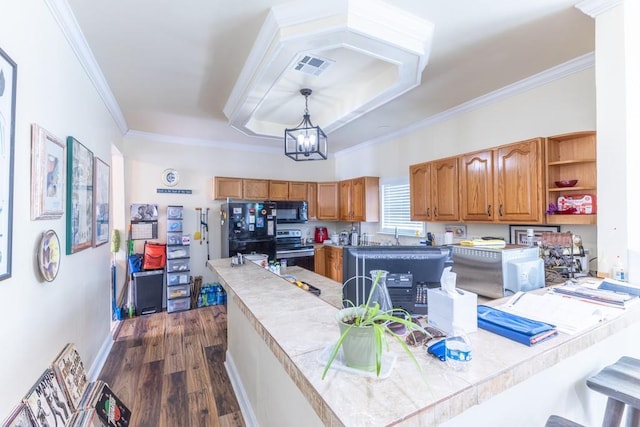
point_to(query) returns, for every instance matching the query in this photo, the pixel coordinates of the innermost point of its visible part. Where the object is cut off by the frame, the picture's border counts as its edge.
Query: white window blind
(396, 210)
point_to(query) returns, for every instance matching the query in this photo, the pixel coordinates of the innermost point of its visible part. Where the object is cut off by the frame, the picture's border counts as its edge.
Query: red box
(584, 204)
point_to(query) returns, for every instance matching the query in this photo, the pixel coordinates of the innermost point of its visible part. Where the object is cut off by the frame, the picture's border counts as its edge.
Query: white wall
(563, 106)
(197, 166)
(39, 318)
(618, 98)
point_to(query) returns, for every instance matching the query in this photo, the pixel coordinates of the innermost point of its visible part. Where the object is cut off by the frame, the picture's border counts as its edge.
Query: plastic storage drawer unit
(178, 304)
(177, 279)
(179, 291)
(180, 264)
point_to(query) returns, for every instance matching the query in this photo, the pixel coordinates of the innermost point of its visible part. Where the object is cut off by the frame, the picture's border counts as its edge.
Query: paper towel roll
(448, 238)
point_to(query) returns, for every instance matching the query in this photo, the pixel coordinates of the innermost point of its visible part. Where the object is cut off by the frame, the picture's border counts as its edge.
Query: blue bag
(135, 263)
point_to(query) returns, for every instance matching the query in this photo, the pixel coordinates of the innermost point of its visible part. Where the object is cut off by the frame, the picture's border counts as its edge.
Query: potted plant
(364, 329)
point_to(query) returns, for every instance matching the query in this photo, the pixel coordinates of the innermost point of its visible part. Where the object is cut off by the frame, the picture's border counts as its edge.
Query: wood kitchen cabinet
(278, 190)
(476, 186)
(312, 200)
(297, 190)
(503, 184)
(327, 208)
(519, 182)
(333, 263)
(319, 261)
(420, 185)
(224, 187)
(359, 199)
(571, 156)
(255, 189)
(434, 190)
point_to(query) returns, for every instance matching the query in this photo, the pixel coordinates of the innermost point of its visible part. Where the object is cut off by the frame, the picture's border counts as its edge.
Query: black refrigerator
(248, 227)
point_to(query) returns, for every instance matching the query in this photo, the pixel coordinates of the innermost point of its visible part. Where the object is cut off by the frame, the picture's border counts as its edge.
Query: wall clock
(170, 177)
(49, 255)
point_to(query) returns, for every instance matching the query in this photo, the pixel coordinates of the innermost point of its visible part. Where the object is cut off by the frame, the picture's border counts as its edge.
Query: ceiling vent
(313, 65)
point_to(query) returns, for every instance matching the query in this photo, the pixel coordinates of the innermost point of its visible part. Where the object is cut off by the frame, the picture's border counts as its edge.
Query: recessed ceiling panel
(354, 55)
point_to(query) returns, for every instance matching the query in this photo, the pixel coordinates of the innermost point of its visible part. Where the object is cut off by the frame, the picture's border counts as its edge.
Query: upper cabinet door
(420, 191)
(327, 208)
(445, 189)
(297, 190)
(278, 190)
(346, 213)
(227, 187)
(476, 186)
(519, 195)
(255, 189)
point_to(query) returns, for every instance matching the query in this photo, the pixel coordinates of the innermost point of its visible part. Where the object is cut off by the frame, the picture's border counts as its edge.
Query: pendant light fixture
(305, 141)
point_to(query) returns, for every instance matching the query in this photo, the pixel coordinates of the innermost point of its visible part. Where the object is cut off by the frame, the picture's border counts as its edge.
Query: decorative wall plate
(170, 177)
(49, 255)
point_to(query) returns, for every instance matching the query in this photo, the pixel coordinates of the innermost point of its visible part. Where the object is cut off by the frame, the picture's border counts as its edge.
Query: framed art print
(47, 174)
(79, 196)
(8, 75)
(518, 233)
(100, 202)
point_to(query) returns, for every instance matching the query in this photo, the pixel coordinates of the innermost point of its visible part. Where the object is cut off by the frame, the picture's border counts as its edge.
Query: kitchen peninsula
(276, 332)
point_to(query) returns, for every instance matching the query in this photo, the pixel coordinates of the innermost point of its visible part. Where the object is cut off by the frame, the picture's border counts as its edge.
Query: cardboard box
(443, 310)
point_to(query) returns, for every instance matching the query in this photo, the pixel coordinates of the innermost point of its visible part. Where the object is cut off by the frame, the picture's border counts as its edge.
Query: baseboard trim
(243, 400)
(101, 358)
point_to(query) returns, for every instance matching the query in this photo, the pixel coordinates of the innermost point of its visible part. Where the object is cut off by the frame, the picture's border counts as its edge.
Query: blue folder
(517, 328)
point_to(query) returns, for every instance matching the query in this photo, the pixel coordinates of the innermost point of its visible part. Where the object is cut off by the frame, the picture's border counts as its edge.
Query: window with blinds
(396, 210)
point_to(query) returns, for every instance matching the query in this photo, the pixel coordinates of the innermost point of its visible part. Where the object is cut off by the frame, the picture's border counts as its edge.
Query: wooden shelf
(571, 162)
(572, 219)
(571, 156)
(572, 189)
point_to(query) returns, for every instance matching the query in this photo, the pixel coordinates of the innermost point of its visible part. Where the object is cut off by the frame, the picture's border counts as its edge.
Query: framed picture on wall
(518, 233)
(100, 202)
(8, 75)
(47, 174)
(79, 196)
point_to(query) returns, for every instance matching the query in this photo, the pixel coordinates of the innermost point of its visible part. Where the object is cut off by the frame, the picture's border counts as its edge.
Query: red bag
(155, 256)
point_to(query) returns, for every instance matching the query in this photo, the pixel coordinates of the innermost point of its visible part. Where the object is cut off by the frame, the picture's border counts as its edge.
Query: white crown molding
(227, 145)
(555, 73)
(594, 8)
(69, 25)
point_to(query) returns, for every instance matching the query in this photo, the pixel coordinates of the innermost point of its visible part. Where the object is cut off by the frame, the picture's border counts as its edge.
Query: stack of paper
(490, 243)
(568, 314)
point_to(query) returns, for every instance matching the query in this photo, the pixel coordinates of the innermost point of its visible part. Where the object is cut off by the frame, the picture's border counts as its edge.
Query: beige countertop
(297, 326)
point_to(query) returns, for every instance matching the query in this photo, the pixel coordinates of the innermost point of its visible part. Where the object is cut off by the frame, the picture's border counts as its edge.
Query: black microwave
(291, 212)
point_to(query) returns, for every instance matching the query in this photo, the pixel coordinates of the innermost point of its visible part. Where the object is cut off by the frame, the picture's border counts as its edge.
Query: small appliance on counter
(321, 234)
(498, 272)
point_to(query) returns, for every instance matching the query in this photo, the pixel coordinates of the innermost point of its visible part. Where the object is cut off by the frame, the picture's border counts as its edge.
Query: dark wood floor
(168, 369)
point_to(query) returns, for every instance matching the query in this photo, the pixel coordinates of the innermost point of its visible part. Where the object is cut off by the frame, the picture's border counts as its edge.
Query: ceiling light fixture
(305, 141)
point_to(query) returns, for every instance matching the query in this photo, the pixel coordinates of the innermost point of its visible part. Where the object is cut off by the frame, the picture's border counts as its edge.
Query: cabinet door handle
(500, 211)
(489, 210)
(435, 211)
(428, 211)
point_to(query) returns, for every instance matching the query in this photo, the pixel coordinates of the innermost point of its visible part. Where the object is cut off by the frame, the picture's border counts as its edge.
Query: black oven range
(290, 246)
